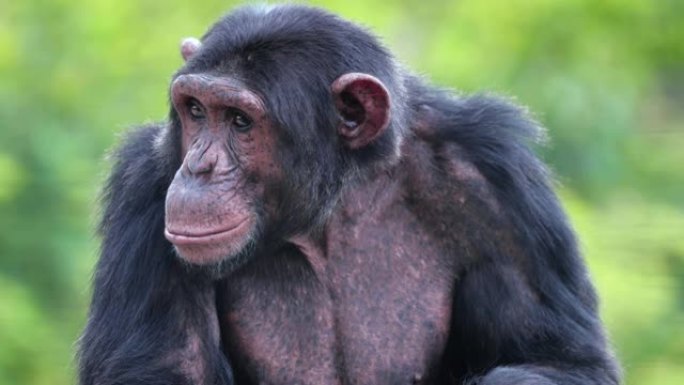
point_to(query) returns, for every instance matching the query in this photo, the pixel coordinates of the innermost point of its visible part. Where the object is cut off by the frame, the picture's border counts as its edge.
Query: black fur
(557, 337)
(143, 297)
(145, 300)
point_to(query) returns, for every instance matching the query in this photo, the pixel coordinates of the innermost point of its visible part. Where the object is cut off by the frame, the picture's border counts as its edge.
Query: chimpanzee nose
(201, 159)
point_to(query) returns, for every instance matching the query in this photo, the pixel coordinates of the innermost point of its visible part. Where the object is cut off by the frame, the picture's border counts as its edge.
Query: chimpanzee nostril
(203, 165)
(202, 160)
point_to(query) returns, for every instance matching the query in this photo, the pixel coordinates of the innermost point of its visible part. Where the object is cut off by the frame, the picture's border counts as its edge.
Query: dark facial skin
(227, 144)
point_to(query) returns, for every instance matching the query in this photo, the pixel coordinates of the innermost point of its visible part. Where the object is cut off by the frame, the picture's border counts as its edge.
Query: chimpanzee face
(214, 203)
(231, 187)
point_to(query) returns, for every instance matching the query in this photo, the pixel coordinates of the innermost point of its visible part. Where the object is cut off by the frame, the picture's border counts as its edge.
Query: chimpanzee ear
(189, 46)
(364, 106)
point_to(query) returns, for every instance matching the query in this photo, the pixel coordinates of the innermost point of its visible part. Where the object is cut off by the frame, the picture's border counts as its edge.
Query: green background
(605, 76)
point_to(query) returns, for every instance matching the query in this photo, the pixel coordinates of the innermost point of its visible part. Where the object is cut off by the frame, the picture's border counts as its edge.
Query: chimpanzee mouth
(180, 238)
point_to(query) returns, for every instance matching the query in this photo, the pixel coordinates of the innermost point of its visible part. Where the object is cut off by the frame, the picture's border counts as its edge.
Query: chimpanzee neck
(367, 195)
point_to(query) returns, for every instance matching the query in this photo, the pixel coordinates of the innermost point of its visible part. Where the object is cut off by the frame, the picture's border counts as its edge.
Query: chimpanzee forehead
(219, 90)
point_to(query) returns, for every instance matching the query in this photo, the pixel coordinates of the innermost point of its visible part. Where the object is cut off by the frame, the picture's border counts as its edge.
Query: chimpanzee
(312, 213)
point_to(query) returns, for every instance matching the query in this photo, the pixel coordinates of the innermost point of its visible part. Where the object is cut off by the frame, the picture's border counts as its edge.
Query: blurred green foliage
(606, 77)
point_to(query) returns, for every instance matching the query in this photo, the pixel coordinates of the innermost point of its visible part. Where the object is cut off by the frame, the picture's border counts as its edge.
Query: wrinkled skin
(210, 212)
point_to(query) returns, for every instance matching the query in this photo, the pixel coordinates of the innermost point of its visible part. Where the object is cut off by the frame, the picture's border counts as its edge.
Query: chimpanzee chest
(368, 312)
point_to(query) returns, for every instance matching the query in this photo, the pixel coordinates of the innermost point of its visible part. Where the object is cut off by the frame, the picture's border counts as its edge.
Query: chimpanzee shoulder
(135, 165)
(480, 175)
(492, 141)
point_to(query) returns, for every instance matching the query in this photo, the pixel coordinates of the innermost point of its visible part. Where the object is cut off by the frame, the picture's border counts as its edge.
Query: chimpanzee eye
(241, 122)
(195, 109)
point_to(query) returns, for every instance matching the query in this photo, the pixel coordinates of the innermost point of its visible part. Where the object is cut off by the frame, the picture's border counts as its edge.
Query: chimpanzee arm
(508, 333)
(525, 311)
(151, 320)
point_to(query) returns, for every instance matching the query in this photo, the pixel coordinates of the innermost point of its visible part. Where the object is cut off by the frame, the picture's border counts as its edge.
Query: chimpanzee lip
(209, 236)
